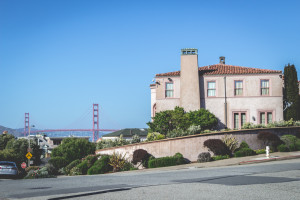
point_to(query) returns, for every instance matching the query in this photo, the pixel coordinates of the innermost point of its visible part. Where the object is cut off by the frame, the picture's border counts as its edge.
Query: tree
(4, 138)
(291, 93)
(73, 148)
(169, 120)
(15, 149)
(204, 118)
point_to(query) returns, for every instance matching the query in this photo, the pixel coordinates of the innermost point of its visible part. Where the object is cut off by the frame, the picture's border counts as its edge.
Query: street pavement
(225, 179)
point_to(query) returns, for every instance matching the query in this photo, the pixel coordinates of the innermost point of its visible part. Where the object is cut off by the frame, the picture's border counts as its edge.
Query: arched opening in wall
(154, 110)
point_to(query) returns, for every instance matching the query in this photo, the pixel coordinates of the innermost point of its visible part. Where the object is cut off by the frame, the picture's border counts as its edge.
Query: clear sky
(59, 57)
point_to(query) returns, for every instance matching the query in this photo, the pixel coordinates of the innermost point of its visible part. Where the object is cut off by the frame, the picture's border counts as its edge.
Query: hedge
(244, 152)
(177, 159)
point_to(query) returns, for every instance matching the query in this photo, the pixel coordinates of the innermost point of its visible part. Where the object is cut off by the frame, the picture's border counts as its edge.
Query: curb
(268, 160)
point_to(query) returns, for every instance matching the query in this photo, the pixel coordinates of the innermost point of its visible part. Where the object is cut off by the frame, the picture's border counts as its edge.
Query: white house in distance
(127, 134)
(235, 94)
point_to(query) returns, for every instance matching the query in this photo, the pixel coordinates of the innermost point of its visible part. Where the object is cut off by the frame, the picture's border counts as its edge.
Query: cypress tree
(291, 93)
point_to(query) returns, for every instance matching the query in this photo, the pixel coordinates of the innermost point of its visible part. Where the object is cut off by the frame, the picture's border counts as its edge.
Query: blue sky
(57, 58)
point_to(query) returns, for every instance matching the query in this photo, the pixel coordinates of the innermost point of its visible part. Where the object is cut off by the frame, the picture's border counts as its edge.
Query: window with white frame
(211, 88)
(264, 87)
(169, 90)
(238, 88)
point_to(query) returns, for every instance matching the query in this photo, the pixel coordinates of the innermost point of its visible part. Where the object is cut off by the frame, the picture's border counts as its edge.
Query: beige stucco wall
(153, 98)
(189, 83)
(250, 102)
(251, 84)
(191, 146)
(161, 87)
(158, 94)
(167, 104)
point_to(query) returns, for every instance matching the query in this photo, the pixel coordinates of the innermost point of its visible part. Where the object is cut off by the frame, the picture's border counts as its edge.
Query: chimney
(222, 60)
(189, 80)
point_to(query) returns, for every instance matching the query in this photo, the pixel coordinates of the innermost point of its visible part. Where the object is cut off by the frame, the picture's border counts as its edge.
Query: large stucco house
(235, 94)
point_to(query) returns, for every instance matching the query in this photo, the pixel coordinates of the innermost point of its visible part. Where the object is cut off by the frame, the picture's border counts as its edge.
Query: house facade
(235, 94)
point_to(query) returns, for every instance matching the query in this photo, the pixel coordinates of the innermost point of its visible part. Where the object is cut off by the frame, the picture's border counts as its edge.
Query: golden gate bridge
(95, 128)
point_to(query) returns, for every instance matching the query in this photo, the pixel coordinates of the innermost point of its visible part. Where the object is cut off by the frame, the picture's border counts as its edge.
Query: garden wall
(191, 146)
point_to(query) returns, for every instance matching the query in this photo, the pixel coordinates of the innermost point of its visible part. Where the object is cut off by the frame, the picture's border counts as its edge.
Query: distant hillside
(15, 132)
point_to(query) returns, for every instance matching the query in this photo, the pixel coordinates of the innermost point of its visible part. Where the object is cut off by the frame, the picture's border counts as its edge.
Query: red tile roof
(225, 69)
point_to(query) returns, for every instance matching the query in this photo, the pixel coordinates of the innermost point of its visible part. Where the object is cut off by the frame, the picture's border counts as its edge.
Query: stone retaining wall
(191, 146)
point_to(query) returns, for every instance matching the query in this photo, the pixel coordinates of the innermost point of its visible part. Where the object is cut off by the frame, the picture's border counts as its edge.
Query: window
(238, 88)
(266, 117)
(264, 85)
(169, 90)
(154, 110)
(239, 119)
(211, 89)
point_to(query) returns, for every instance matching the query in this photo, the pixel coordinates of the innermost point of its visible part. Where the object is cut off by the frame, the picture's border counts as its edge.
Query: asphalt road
(272, 180)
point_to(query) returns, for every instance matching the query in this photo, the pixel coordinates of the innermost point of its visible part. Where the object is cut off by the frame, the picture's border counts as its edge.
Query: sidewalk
(232, 161)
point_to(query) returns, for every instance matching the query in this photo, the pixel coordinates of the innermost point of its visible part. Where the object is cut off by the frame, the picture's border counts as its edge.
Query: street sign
(23, 165)
(29, 150)
(28, 155)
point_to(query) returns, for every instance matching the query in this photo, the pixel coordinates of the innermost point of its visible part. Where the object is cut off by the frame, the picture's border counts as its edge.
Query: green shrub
(248, 125)
(296, 123)
(91, 159)
(260, 151)
(176, 133)
(168, 120)
(51, 169)
(95, 170)
(155, 136)
(180, 158)
(214, 158)
(290, 141)
(177, 159)
(4, 139)
(128, 166)
(283, 148)
(101, 166)
(73, 148)
(192, 130)
(103, 144)
(71, 165)
(217, 146)
(243, 145)
(244, 152)
(121, 141)
(207, 131)
(259, 126)
(58, 162)
(135, 139)
(75, 171)
(83, 167)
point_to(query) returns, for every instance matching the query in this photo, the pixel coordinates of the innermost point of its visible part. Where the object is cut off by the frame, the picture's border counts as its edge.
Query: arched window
(154, 110)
